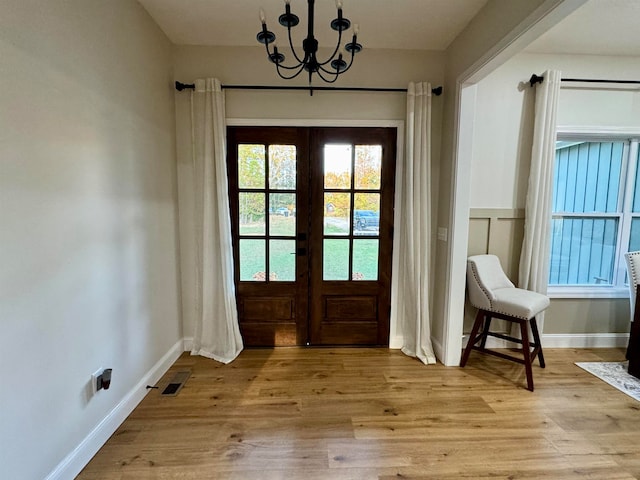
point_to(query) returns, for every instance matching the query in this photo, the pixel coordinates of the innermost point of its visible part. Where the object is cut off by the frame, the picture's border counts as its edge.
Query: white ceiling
(397, 24)
(601, 27)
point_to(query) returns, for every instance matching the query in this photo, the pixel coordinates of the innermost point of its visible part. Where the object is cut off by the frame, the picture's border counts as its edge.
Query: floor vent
(176, 383)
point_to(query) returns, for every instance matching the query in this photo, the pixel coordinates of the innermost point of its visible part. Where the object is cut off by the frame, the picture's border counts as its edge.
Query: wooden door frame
(395, 337)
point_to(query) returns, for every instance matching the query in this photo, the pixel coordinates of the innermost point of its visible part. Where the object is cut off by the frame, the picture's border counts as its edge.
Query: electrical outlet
(96, 378)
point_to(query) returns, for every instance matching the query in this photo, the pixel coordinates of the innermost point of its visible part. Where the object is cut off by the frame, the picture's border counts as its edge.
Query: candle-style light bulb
(287, 2)
(263, 17)
(339, 4)
(356, 28)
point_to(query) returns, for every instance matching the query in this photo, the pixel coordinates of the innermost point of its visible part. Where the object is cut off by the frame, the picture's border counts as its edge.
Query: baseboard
(567, 340)
(84, 452)
(585, 340)
(188, 344)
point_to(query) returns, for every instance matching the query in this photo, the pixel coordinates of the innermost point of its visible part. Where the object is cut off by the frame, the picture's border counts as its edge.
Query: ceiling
(599, 27)
(602, 27)
(397, 24)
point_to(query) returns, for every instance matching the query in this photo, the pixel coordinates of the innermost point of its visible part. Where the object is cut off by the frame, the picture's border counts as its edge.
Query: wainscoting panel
(498, 231)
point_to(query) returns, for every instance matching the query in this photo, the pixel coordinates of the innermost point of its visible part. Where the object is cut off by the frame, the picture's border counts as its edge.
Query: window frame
(630, 160)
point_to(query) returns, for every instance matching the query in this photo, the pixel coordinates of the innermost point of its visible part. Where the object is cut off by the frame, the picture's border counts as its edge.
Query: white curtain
(412, 301)
(534, 258)
(216, 334)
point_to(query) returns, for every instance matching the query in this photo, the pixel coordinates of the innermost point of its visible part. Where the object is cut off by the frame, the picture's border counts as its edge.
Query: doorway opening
(312, 225)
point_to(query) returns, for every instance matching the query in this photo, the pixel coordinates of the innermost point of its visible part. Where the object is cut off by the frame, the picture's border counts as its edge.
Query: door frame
(395, 337)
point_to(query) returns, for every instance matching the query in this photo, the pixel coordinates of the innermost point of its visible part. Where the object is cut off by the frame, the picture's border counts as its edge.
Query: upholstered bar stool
(493, 294)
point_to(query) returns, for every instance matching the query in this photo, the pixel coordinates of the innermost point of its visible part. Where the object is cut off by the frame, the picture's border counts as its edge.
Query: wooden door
(312, 216)
(268, 192)
(352, 188)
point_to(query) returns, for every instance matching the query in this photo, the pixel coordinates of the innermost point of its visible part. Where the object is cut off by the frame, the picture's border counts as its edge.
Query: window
(596, 216)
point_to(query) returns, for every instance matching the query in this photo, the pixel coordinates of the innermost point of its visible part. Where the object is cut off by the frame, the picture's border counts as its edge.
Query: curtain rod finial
(181, 86)
(535, 79)
(437, 91)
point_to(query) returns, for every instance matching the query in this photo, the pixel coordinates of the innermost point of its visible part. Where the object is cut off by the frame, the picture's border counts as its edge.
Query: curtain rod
(539, 78)
(437, 91)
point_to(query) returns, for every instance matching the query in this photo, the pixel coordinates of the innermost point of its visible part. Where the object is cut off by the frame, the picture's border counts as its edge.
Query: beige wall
(501, 156)
(88, 256)
(249, 66)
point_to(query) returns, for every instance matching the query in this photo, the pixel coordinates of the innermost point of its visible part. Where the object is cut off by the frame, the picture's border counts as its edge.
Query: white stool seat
(517, 302)
(495, 296)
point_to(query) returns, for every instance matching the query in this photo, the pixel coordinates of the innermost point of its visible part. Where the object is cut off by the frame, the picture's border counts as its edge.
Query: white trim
(458, 225)
(585, 340)
(75, 461)
(545, 16)
(187, 344)
(388, 123)
(587, 292)
(306, 122)
(592, 132)
(567, 340)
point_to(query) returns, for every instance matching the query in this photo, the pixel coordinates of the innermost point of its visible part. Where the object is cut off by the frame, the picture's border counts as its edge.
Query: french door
(312, 224)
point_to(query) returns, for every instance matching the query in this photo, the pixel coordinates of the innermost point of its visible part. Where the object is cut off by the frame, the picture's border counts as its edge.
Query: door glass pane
(251, 166)
(251, 207)
(282, 260)
(368, 167)
(282, 214)
(366, 214)
(337, 166)
(365, 259)
(282, 167)
(335, 263)
(252, 260)
(337, 209)
(583, 251)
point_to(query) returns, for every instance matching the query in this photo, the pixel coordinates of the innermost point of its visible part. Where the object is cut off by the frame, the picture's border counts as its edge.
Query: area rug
(615, 374)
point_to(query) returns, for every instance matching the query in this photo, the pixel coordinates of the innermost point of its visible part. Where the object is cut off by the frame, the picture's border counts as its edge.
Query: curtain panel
(412, 302)
(217, 334)
(534, 258)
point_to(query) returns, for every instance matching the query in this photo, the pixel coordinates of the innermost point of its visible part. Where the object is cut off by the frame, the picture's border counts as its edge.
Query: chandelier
(328, 70)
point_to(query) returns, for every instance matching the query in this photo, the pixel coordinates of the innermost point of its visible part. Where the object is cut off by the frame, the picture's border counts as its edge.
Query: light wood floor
(376, 414)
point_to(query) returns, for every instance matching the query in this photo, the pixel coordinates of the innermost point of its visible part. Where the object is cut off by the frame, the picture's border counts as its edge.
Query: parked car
(282, 211)
(363, 219)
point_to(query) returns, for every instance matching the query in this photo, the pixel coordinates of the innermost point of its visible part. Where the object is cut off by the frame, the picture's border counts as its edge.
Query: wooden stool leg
(485, 330)
(472, 337)
(536, 339)
(526, 352)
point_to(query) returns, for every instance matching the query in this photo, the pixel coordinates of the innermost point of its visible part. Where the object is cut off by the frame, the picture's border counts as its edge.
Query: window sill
(587, 292)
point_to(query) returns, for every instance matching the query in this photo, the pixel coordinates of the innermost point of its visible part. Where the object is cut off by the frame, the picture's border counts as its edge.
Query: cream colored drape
(536, 246)
(217, 334)
(412, 301)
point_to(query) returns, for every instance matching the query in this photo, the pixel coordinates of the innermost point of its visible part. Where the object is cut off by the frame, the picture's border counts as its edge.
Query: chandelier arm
(300, 68)
(300, 64)
(293, 50)
(332, 72)
(332, 56)
(336, 74)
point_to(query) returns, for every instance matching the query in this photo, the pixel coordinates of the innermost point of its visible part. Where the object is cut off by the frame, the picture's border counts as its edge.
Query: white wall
(502, 152)
(504, 114)
(88, 257)
(249, 66)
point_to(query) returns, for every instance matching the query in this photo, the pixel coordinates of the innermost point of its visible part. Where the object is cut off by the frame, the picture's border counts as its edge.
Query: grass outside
(282, 253)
